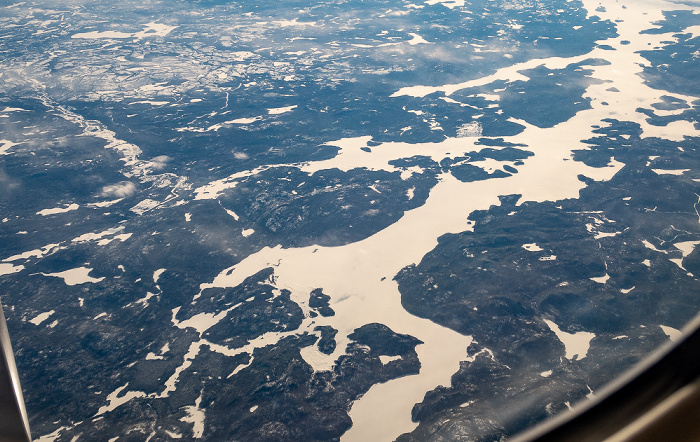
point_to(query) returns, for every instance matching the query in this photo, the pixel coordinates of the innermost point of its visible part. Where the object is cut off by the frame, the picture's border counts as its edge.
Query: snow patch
(386, 359)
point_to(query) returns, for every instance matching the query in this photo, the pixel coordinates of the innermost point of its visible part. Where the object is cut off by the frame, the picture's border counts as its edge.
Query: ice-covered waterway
(358, 276)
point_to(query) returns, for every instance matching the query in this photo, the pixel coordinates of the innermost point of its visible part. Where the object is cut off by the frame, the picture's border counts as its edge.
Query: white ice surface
(214, 189)
(75, 276)
(319, 361)
(143, 301)
(601, 279)
(38, 319)
(156, 275)
(51, 437)
(195, 416)
(281, 110)
(243, 120)
(686, 248)
(651, 246)
(114, 400)
(576, 344)
(223, 124)
(201, 321)
(57, 210)
(7, 269)
(232, 214)
(600, 235)
(94, 236)
(151, 102)
(672, 333)
(669, 171)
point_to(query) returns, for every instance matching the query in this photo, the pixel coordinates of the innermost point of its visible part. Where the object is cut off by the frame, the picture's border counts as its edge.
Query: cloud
(120, 190)
(6, 181)
(158, 163)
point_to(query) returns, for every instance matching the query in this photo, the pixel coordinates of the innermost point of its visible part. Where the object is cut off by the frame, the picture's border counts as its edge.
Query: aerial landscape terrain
(342, 220)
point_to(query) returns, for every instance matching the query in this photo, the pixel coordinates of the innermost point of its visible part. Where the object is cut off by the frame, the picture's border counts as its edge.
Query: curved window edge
(657, 399)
